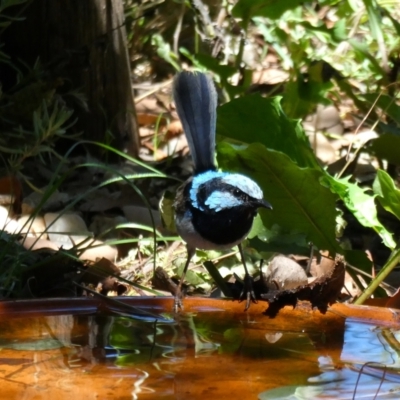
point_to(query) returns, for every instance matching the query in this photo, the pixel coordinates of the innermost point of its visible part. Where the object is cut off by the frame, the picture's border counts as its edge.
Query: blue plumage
(202, 179)
(196, 101)
(213, 210)
(220, 200)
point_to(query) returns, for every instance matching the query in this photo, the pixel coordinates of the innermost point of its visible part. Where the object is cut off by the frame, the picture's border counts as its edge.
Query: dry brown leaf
(394, 301)
(11, 186)
(103, 271)
(96, 249)
(320, 293)
(322, 268)
(149, 105)
(174, 129)
(150, 119)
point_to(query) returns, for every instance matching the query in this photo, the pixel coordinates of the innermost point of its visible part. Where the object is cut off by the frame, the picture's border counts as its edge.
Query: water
(209, 354)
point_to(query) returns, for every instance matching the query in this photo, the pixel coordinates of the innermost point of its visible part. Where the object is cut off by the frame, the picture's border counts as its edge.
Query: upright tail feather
(196, 102)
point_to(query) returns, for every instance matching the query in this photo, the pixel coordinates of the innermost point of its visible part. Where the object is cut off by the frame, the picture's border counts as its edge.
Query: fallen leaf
(174, 129)
(11, 187)
(103, 271)
(150, 119)
(96, 249)
(394, 301)
(320, 293)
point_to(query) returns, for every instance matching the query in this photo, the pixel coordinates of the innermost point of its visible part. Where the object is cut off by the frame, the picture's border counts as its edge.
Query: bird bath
(88, 349)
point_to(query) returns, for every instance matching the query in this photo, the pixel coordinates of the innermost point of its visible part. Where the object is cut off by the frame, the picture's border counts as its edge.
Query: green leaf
(395, 23)
(224, 72)
(301, 96)
(386, 103)
(364, 53)
(387, 147)
(361, 204)
(214, 64)
(8, 3)
(272, 9)
(335, 35)
(300, 203)
(167, 210)
(375, 20)
(276, 240)
(387, 193)
(339, 33)
(359, 259)
(164, 50)
(282, 244)
(253, 119)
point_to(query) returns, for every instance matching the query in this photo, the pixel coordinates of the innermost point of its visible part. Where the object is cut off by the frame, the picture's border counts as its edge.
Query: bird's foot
(248, 291)
(178, 301)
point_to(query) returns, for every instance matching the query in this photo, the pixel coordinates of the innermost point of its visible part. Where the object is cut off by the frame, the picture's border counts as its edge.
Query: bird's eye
(236, 192)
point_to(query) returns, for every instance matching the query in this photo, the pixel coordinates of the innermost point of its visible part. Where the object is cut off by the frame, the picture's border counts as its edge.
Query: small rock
(141, 215)
(7, 224)
(101, 224)
(56, 201)
(33, 227)
(65, 229)
(96, 249)
(283, 273)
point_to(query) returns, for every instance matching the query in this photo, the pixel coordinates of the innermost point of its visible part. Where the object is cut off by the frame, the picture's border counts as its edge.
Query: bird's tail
(196, 102)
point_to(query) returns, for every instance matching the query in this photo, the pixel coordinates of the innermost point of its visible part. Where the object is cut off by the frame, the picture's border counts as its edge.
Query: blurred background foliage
(275, 62)
(324, 48)
(34, 112)
(279, 61)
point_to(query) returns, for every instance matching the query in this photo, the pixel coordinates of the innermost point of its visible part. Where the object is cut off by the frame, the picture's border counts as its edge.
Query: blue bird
(213, 210)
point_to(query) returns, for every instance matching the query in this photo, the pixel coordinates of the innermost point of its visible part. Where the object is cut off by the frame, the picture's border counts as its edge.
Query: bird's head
(214, 191)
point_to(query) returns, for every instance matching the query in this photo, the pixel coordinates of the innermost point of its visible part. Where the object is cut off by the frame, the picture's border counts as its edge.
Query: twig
(383, 273)
(138, 99)
(178, 28)
(121, 304)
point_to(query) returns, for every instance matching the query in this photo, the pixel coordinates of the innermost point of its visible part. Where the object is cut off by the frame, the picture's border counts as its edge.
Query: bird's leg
(178, 295)
(248, 291)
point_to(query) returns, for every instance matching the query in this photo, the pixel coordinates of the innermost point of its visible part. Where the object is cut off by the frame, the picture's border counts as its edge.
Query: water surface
(207, 354)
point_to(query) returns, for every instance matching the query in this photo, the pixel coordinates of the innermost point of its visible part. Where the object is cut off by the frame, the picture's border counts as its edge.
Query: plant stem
(383, 273)
(239, 56)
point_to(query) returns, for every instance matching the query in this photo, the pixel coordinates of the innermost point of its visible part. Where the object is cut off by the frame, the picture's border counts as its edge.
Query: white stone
(65, 229)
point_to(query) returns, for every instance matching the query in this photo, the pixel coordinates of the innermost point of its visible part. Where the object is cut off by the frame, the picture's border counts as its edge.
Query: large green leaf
(253, 119)
(336, 34)
(359, 259)
(387, 193)
(273, 9)
(364, 53)
(375, 21)
(387, 147)
(302, 95)
(276, 240)
(361, 204)
(300, 203)
(386, 103)
(8, 3)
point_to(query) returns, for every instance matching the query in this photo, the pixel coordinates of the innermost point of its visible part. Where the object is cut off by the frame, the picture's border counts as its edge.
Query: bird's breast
(224, 228)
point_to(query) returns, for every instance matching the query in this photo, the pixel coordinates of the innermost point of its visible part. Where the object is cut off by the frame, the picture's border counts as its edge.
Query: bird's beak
(264, 204)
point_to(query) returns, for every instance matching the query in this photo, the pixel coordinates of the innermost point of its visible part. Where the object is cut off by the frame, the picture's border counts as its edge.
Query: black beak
(263, 204)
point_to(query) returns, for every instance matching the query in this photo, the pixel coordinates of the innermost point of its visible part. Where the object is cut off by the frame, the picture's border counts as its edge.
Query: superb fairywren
(213, 210)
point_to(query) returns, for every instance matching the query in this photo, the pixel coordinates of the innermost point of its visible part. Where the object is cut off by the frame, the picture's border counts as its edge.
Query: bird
(214, 210)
